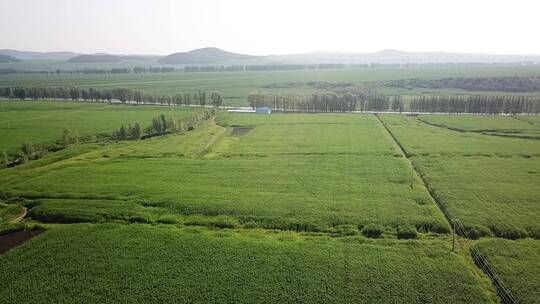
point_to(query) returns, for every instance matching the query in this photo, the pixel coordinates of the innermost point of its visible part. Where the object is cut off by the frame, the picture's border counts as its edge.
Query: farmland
(315, 182)
(188, 265)
(235, 86)
(517, 263)
(44, 122)
(310, 208)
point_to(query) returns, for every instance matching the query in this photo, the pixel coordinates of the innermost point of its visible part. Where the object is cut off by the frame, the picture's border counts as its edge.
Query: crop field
(163, 264)
(235, 86)
(516, 126)
(43, 122)
(517, 264)
(315, 183)
(243, 208)
(487, 182)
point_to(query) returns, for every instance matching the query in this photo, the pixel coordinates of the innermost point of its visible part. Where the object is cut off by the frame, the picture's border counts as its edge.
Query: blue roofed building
(263, 110)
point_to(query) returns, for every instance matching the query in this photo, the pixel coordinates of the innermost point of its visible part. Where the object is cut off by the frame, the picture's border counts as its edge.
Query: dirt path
(206, 148)
(20, 217)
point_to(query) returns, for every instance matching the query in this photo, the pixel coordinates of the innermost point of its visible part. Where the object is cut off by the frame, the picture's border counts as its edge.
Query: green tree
(28, 151)
(135, 132)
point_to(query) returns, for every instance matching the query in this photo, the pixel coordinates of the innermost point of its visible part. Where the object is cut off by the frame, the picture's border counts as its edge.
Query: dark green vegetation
(509, 83)
(517, 264)
(163, 264)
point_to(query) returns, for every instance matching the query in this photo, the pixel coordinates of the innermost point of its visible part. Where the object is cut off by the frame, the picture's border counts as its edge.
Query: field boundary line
(206, 149)
(483, 132)
(458, 228)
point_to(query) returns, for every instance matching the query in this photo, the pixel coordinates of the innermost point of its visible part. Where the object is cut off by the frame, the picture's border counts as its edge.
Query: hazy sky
(262, 27)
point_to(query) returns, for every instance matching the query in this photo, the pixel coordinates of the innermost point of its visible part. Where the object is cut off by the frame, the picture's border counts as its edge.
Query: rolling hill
(204, 55)
(29, 55)
(89, 58)
(7, 58)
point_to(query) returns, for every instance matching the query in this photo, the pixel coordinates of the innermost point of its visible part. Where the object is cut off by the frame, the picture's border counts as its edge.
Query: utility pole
(453, 235)
(412, 177)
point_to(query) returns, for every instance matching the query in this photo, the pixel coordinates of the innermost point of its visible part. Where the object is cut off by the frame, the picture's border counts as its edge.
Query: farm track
(20, 217)
(462, 250)
(214, 139)
(483, 132)
(404, 153)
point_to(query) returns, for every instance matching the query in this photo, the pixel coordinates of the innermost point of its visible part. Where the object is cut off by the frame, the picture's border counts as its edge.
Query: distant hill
(7, 58)
(204, 56)
(90, 58)
(26, 55)
(396, 57)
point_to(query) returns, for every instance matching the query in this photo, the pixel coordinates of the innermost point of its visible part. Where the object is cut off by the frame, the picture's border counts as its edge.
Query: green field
(235, 86)
(316, 182)
(516, 126)
(163, 264)
(487, 182)
(43, 122)
(517, 264)
(289, 208)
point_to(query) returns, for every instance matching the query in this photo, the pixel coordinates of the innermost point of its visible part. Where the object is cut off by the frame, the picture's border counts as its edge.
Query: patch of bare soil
(17, 238)
(239, 131)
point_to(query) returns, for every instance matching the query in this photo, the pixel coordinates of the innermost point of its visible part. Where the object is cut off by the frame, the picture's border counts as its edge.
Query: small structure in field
(263, 110)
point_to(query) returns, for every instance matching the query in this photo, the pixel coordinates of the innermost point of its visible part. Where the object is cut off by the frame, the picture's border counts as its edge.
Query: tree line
(201, 98)
(508, 83)
(159, 125)
(482, 104)
(326, 102)
(136, 70)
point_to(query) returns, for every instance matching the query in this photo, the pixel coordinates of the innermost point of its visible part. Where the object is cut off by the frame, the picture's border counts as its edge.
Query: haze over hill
(204, 55)
(7, 58)
(216, 56)
(29, 55)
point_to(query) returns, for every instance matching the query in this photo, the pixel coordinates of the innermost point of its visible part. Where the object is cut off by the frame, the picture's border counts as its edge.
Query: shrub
(475, 232)
(345, 230)
(138, 219)
(168, 219)
(508, 231)
(407, 231)
(373, 231)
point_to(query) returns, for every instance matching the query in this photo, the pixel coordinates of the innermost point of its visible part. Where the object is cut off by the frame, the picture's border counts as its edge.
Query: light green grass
(141, 264)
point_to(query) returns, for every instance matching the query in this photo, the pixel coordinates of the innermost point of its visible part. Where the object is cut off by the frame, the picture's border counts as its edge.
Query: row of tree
(509, 83)
(201, 98)
(136, 70)
(477, 104)
(159, 125)
(162, 125)
(325, 102)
